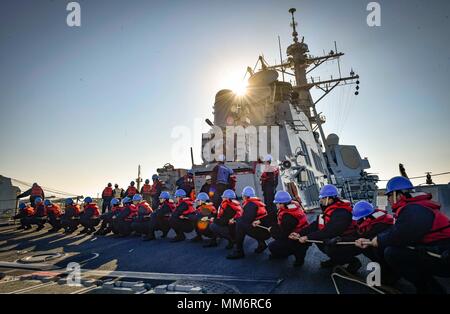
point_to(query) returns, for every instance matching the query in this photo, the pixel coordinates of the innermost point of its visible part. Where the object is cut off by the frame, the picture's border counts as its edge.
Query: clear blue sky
(83, 106)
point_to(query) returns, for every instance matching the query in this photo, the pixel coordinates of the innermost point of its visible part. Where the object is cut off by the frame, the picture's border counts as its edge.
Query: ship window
(317, 161)
(306, 153)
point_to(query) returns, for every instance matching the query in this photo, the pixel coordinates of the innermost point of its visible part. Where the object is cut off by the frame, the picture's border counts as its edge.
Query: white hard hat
(221, 157)
(208, 177)
(268, 158)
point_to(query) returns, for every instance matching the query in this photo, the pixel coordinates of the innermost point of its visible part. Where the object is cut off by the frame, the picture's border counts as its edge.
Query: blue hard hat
(190, 171)
(115, 202)
(248, 191)
(398, 184)
(137, 197)
(37, 200)
(88, 199)
(47, 202)
(155, 177)
(328, 190)
(126, 200)
(164, 195)
(362, 209)
(68, 201)
(22, 205)
(282, 197)
(202, 196)
(180, 193)
(229, 194)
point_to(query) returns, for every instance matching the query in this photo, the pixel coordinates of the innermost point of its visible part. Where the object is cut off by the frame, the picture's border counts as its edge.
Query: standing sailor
(220, 179)
(156, 190)
(146, 191)
(34, 192)
(107, 196)
(131, 190)
(269, 182)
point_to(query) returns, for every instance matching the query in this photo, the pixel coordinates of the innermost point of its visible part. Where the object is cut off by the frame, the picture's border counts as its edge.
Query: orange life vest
(295, 210)
(190, 204)
(324, 218)
(208, 206)
(37, 191)
(261, 212)
(377, 217)
(28, 211)
(54, 209)
(146, 189)
(234, 205)
(155, 186)
(441, 223)
(75, 208)
(95, 210)
(144, 208)
(133, 212)
(107, 192)
(131, 191)
(117, 208)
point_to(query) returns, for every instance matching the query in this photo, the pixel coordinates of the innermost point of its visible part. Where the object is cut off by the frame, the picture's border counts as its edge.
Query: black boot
(236, 254)
(178, 238)
(354, 265)
(262, 246)
(20, 228)
(40, 227)
(230, 245)
(299, 262)
(211, 243)
(149, 237)
(197, 238)
(328, 264)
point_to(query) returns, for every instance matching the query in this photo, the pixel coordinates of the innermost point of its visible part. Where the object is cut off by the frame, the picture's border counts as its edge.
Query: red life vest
(133, 212)
(324, 218)
(189, 203)
(37, 191)
(131, 191)
(146, 189)
(75, 208)
(144, 208)
(40, 210)
(54, 209)
(208, 206)
(295, 210)
(28, 211)
(265, 177)
(234, 205)
(377, 217)
(261, 212)
(107, 192)
(95, 210)
(155, 186)
(117, 209)
(441, 223)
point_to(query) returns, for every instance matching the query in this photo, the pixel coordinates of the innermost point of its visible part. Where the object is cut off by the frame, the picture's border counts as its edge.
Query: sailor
(186, 183)
(141, 220)
(183, 218)
(107, 196)
(108, 217)
(254, 211)
(159, 219)
(368, 223)
(269, 182)
(205, 211)
(224, 225)
(90, 217)
(25, 211)
(34, 192)
(146, 191)
(54, 214)
(156, 190)
(123, 220)
(39, 217)
(206, 187)
(290, 219)
(71, 217)
(420, 227)
(117, 192)
(335, 220)
(220, 179)
(131, 190)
